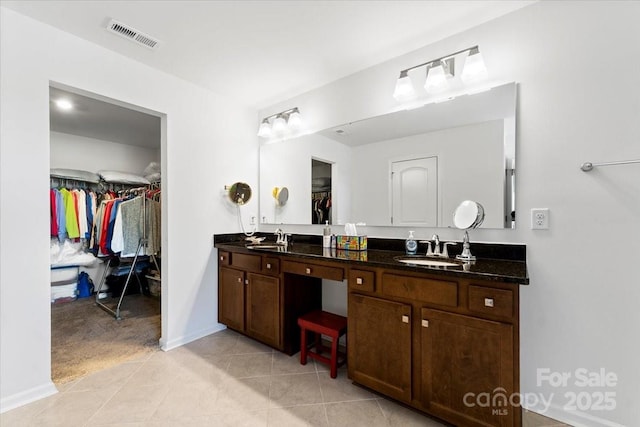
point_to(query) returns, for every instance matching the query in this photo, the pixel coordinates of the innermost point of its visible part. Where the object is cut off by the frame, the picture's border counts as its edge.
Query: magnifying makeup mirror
(281, 195)
(468, 215)
(239, 193)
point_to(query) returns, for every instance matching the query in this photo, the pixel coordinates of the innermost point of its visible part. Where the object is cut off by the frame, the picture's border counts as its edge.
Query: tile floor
(224, 379)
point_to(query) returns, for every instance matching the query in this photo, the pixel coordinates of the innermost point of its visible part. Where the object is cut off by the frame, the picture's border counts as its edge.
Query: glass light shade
(279, 126)
(474, 68)
(404, 89)
(295, 121)
(265, 129)
(436, 79)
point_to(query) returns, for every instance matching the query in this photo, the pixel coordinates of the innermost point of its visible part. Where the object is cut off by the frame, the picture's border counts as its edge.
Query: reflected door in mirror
(414, 190)
(320, 192)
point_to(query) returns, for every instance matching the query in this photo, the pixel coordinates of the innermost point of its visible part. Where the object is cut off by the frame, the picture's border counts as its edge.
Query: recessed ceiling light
(64, 104)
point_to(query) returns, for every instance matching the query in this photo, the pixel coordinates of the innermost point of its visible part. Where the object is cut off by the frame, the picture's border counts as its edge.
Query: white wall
(280, 166)
(578, 68)
(202, 132)
(79, 152)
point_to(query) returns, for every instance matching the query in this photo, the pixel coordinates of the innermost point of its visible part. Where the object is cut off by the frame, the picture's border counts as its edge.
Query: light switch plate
(540, 219)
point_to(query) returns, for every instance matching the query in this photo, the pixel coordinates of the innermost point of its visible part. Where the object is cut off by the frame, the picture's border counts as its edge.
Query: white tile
(306, 415)
(294, 390)
(356, 413)
(132, 404)
(221, 380)
(250, 365)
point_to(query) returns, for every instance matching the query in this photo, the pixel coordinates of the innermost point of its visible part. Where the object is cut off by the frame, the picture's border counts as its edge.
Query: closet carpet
(86, 339)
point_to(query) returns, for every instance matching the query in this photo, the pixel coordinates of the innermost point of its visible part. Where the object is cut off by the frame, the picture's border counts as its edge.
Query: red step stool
(322, 323)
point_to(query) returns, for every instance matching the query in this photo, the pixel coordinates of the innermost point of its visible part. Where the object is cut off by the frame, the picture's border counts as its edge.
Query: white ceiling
(262, 52)
(495, 104)
(93, 118)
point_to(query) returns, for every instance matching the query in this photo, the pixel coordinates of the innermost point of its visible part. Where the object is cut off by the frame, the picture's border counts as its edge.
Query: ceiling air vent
(132, 34)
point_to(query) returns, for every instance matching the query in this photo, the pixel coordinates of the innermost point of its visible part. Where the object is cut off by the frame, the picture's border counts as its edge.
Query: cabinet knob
(359, 281)
(239, 279)
(308, 270)
(268, 266)
(405, 319)
(246, 281)
(425, 323)
(222, 258)
(488, 302)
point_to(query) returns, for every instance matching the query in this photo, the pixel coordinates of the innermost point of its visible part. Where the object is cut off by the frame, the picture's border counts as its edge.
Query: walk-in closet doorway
(107, 221)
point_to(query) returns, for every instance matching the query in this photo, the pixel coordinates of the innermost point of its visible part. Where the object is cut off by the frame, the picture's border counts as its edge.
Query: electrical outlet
(540, 219)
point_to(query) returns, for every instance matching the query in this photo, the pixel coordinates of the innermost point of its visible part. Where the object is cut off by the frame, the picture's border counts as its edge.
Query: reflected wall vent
(132, 34)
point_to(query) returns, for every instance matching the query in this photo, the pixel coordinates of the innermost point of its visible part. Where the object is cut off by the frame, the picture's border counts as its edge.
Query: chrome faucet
(282, 237)
(436, 247)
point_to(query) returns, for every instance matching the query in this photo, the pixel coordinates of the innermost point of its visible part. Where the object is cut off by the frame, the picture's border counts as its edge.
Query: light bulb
(295, 121)
(436, 78)
(265, 129)
(474, 68)
(64, 104)
(404, 89)
(279, 126)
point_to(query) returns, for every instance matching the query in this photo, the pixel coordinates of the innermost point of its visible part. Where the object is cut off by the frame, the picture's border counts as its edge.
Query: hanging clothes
(71, 217)
(120, 224)
(53, 211)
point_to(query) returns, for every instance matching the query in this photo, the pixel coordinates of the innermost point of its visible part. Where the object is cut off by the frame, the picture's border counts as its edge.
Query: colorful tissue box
(351, 243)
(351, 255)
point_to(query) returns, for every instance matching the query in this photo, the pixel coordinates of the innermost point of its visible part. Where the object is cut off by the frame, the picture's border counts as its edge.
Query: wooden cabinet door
(379, 345)
(231, 298)
(467, 362)
(263, 308)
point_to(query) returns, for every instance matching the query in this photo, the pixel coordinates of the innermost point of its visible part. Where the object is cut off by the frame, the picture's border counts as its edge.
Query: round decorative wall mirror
(281, 195)
(468, 214)
(239, 193)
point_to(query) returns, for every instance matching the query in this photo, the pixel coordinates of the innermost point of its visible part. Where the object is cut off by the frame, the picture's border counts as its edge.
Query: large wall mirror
(410, 168)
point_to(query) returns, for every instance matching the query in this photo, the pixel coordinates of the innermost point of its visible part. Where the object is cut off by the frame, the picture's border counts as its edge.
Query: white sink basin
(261, 246)
(428, 262)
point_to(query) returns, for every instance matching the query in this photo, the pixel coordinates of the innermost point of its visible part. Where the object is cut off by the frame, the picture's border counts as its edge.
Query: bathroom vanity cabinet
(249, 295)
(436, 343)
(253, 300)
(443, 342)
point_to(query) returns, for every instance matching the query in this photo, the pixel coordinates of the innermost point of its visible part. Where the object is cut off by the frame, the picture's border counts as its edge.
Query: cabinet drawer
(224, 258)
(246, 262)
(313, 270)
(441, 292)
(270, 265)
(498, 302)
(361, 280)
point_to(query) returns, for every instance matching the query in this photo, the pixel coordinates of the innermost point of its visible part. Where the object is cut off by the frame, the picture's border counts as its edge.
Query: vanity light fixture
(280, 124)
(404, 88)
(265, 129)
(437, 75)
(440, 71)
(295, 121)
(474, 68)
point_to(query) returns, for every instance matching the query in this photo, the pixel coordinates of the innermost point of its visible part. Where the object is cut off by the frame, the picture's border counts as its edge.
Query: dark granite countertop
(508, 268)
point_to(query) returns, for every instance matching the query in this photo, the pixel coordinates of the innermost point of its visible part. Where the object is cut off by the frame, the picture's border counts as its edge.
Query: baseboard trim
(573, 418)
(25, 397)
(167, 345)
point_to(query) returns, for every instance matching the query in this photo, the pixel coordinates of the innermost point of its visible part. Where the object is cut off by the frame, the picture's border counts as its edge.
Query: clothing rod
(587, 166)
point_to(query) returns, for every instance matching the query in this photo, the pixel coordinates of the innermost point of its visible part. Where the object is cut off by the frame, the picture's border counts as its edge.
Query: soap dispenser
(411, 245)
(326, 235)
